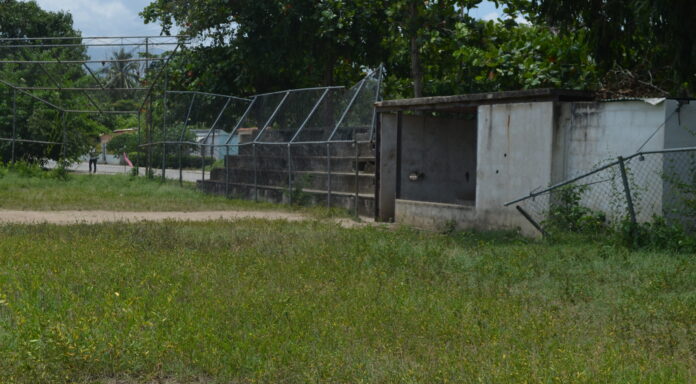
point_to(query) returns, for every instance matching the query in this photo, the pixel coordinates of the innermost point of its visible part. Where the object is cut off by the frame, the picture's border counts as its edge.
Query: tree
(121, 73)
(267, 45)
(35, 120)
(649, 40)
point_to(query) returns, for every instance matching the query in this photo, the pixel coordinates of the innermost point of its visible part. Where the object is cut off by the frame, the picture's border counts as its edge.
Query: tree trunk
(416, 69)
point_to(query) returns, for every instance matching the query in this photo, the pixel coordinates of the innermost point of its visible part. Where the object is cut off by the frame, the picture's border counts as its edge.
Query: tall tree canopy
(650, 43)
(428, 47)
(34, 119)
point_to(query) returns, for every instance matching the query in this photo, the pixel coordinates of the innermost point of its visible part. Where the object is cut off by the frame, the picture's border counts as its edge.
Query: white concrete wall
(515, 144)
(594, 133)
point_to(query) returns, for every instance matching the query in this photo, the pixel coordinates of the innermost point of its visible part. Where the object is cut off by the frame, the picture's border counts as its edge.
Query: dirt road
(73, 217)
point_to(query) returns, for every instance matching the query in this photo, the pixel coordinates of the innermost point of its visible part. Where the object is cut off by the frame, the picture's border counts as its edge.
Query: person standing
(93, 157)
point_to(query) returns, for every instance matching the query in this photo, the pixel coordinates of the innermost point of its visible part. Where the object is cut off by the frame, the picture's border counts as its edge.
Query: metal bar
(92, 38)
(101, 112)
(532, 221)
(210, 94)
(377, 98)
(219, 116)
(94, 76)
(181, 171)
(289, 176)
(137, 160)
(627, 191)
(348, 107)
(79, 89)
(297, 90)
(670, 150)
(202, 163)
(357, 177)
(273, 115)
(65, 138)
(166, 62)
(77, 61)
(328, 174)
(32, 96)
(241, 119)
(81, 45)
(564, 183)
(164, 125)
(91, 100)
(188, 116)
(30, 141)
(309, 116)
(256, 184)
(148, 116)
(14, 123)
(227, 171)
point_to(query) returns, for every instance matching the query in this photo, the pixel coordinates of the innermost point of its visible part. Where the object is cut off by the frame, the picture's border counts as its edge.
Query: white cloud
(491, 16)
(104, 17)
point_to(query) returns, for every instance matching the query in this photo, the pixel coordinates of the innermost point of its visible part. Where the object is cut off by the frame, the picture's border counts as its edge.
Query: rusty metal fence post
(289, 165)
(14, 123)
(256, 182)
(627, 190)
(328, 174)
(357, 177)
(227, 170)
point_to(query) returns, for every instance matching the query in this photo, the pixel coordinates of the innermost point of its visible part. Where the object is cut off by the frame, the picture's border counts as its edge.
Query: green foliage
(23, 169)
(650, 40)
(33, 119)
(566, 214)
(127, 142)
(296, 195)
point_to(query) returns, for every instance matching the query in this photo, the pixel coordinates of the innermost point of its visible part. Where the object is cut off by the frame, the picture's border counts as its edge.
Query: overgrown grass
(259, 301)
(33, 189)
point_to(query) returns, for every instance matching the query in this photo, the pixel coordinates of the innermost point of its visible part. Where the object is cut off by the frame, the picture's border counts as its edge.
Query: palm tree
(121, 73)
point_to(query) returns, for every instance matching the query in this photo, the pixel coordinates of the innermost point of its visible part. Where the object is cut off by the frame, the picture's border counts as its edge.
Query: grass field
(259, 301)
(111, 192)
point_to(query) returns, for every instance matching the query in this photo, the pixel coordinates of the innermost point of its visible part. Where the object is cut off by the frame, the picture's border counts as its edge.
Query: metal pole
(348, 107)
(227, 171)
(374, 110)
(273, 115)
(309, 116)
(357, 174)
(137, 153)
(181, 172)
(164, 125)
(627, 190)
(202, 162)
(65, 138)
(14, 123)
(289, 176)
(532, 221)
(256, 188)
(328, 174)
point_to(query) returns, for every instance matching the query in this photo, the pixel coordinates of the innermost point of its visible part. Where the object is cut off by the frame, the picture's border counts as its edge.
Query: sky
(120, 17)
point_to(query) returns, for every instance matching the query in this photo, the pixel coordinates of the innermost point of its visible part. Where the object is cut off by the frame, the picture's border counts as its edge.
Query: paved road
(105, 169)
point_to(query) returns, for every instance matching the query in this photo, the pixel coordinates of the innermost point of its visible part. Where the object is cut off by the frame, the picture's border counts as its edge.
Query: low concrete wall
(435, 216)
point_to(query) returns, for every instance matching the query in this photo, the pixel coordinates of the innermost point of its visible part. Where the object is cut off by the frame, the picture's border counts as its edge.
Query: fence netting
(643, 188)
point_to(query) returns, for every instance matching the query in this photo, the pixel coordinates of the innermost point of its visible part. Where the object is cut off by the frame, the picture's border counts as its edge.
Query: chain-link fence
(641, 188)
(301, 146)
(58, 94)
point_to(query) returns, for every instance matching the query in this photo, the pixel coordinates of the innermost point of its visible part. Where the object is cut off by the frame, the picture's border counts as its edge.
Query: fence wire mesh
(641, 188)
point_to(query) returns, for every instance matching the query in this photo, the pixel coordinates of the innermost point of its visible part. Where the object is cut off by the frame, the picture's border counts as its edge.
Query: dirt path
(72, 217)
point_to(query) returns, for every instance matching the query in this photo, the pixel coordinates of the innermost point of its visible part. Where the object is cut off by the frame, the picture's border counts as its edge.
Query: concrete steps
(274, 194)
